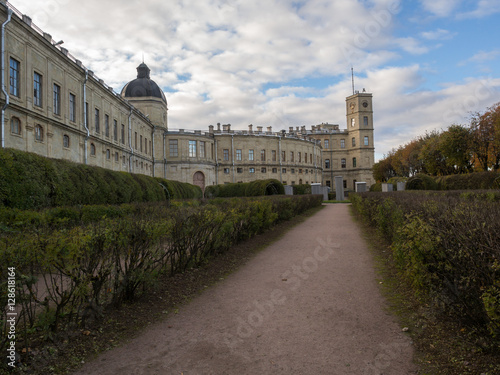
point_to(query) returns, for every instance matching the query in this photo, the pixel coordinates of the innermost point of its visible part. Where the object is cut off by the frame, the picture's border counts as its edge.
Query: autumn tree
(456, 147)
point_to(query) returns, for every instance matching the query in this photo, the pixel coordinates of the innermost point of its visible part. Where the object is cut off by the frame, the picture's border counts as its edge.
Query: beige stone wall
(105, 148)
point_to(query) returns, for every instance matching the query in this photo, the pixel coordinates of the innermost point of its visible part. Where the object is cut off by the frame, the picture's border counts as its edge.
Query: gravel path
(307, 304)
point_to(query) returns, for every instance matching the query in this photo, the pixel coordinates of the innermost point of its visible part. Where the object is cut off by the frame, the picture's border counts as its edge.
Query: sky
(428, 63)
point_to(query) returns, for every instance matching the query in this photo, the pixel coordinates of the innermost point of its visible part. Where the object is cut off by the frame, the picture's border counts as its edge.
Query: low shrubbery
(73, 262)
(247, 189)
(29, 181)
(447, 246)
(470, 181)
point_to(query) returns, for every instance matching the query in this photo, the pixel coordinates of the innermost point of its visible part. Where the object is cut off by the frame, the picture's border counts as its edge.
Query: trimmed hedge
(30, 181)
(248, 189)
(447, 246)
(69, 269)
(301, 189)
(470, 181)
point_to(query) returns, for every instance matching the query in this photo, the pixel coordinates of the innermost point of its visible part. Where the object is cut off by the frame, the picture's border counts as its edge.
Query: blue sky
(428, 63)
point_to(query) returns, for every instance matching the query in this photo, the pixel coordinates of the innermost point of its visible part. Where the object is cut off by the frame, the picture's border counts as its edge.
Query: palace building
(54, 106)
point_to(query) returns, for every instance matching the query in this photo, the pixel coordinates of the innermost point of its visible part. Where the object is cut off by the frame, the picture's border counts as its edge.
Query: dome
(143, 86)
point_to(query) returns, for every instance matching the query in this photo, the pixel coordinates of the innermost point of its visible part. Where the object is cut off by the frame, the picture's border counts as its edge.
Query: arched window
(39, 133)
(92, 149)
(15, 126)
(65, 141)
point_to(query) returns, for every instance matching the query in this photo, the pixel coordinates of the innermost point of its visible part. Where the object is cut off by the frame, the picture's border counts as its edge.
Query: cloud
(439, 34)
(440, 8)
(481, 57)
(484, 8)
(412, 45)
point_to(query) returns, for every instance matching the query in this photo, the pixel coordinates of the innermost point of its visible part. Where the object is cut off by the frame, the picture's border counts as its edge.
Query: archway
(199, 179)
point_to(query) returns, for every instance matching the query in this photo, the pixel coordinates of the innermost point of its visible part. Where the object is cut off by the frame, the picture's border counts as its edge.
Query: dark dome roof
(143, 85)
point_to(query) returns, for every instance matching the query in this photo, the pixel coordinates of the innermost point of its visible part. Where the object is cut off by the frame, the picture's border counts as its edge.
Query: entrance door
(199, 179)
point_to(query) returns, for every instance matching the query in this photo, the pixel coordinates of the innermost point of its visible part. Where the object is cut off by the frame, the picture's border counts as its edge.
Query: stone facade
(55, 107)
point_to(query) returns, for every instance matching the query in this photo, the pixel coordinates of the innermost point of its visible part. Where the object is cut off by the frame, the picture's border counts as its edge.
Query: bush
(30, 181)
(249, 189)
(421, 182)
(446, 245)
(301, 189)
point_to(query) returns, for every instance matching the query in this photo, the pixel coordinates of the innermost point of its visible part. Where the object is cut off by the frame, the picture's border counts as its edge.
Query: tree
(456, 146)
(486, 137)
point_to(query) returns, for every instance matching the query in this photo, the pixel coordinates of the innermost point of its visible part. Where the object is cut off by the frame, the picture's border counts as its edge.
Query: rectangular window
(123, 134)
(117, 156)
(342, 143)
(300, 157)
(108, 154)
(327, 163)
(283, 170)
(354, 162)
(275, 170)
(305, 157)
(202, 149)
(226, 170)
(311, 158)
(145, 145)
(291, 156)
(106, 127)
(353, 142)
(150, 148)
(365, 120)
(192, 149)
(87, 114)
(226, 154)
(327, 143)
(65, 141)
(57, 99)
(97, 119)
(15, 79)
(250, 155)
(292, 170)
(37, 89)
(140, 142)
(238, 155)
(263, 170)
(262, 155)
(283, 156)
(342, 163)
(273, 155)
(135, 145)
(251, 170)
(72, 107)
(366, 143)
(115, 130)
(173, 146)
(239, 170)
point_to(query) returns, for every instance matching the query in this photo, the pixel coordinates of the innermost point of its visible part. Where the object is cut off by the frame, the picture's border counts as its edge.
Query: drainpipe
(85, 114)
(164, 155)
(153, 148)
(2, 134)
(232, 153)
(216, 163)
(279, 156)
(130, 160)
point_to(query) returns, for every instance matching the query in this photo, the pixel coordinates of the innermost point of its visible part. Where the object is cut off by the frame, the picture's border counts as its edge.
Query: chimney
(290, 129)
(269, 129)
(47, 37)
(218, 126)
(250, 128)
(259, 129)
(210, 129)
(27, 19)
(229, 127)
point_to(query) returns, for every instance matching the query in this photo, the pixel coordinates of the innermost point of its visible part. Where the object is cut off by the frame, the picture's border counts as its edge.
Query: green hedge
(30, 181)
(71, 263)
(470, 181)
(248, 189)
(301, 189)
(446, 245)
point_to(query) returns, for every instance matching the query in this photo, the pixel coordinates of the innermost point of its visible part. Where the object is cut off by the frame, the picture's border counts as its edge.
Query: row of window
(15, 84)
(15, 128)
(273, 170)
(251, 156)
(326, 142)
(365, 121)
(343, 163)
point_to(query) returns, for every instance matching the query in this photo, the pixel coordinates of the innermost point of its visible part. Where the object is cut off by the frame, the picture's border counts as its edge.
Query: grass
(441, 345)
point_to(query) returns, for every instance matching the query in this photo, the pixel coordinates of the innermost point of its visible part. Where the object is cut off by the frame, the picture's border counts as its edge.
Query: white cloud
(481, 57)
(412, 45)
(439, 34)
(440, 8)
(484, 8)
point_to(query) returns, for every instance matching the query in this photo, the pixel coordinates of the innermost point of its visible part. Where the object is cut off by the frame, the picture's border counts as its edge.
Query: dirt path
(308, 304)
